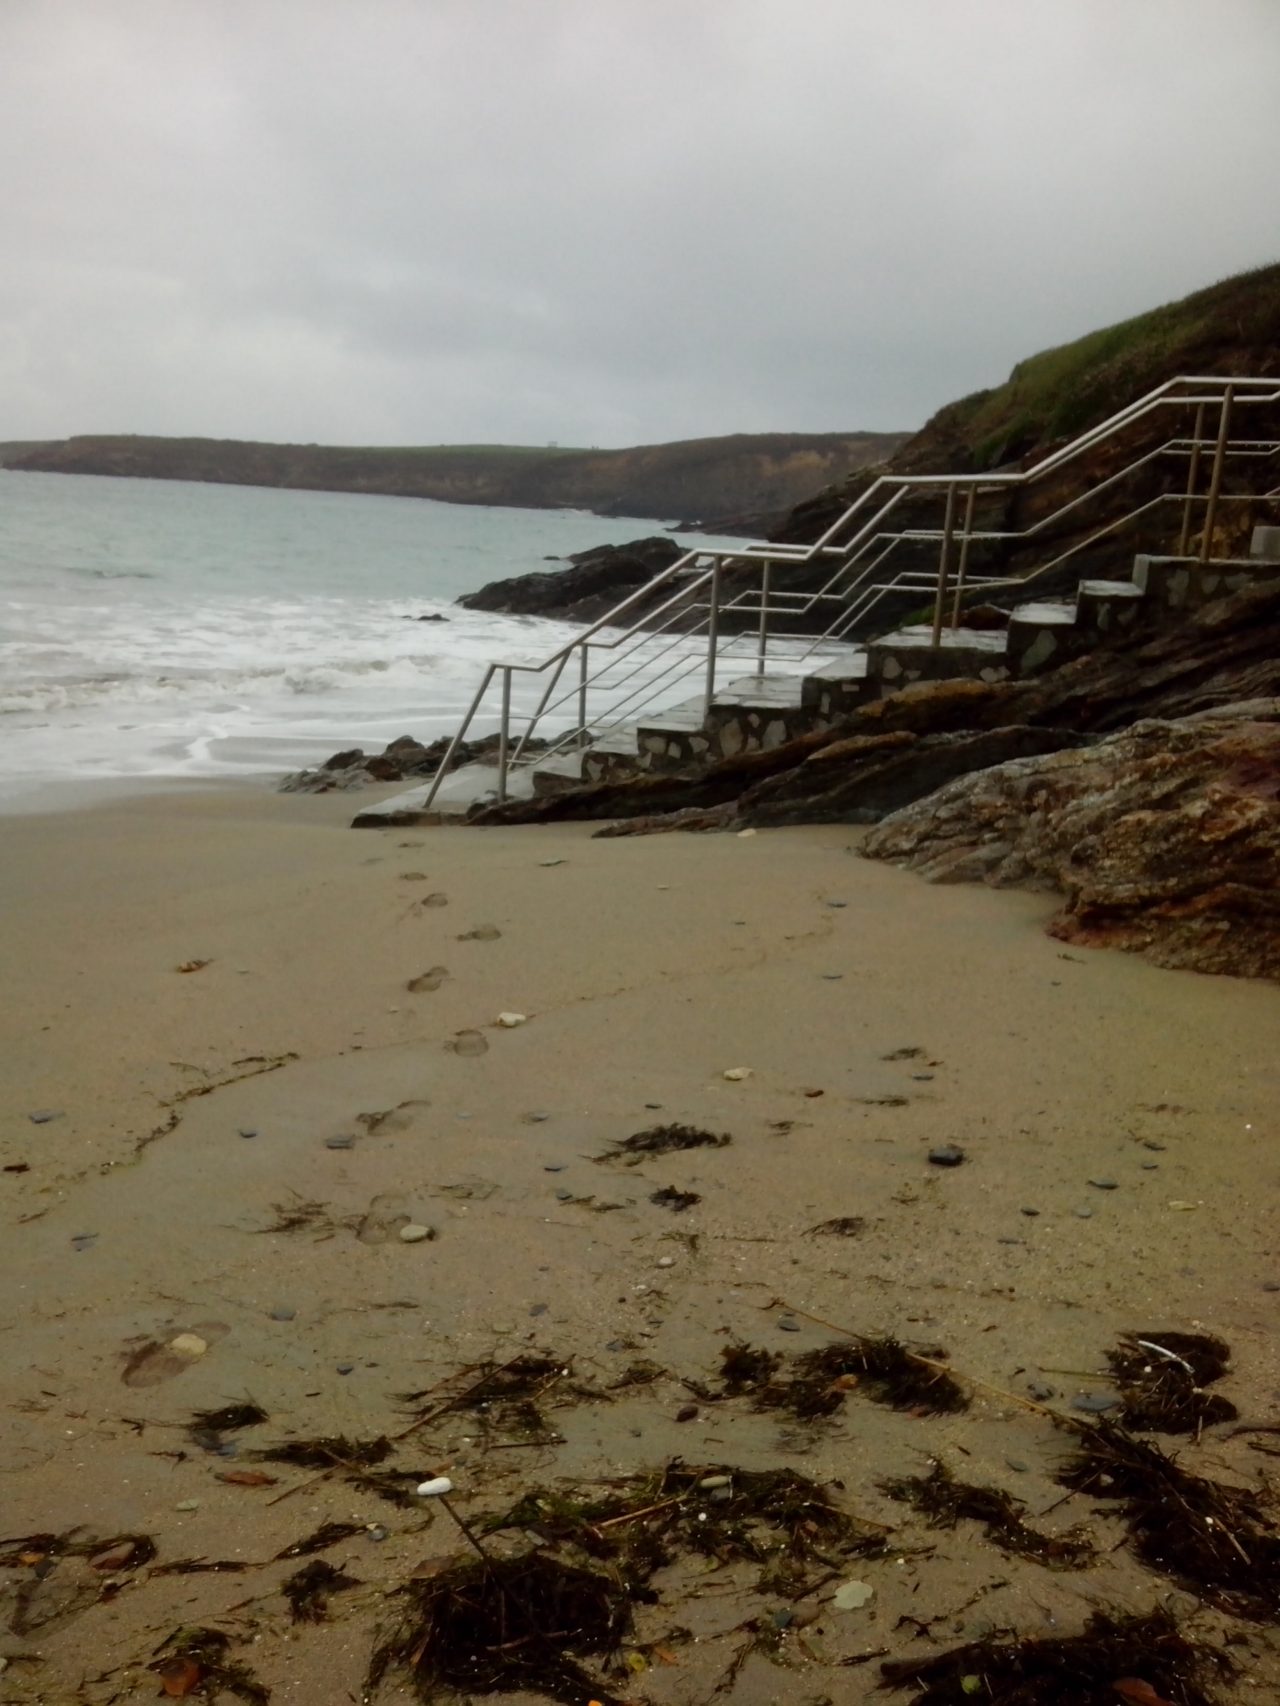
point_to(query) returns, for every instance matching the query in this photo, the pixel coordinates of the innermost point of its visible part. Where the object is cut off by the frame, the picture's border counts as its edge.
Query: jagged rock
(1164, 839)
(405, 759)
(597, 580)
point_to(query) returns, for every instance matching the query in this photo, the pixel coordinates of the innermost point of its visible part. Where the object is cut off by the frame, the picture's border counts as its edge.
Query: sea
(163, 631)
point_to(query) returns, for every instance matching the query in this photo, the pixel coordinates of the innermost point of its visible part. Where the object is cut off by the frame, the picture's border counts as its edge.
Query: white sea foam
(150, 629)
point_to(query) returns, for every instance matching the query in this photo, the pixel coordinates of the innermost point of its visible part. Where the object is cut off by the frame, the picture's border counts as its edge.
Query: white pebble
(744, 833)
(511, 1020)
(709, 1483)
(736, 1074)
(189, 1345)
(666, 1261)
(187, 1505)
(413, 1234)
(435, 1489)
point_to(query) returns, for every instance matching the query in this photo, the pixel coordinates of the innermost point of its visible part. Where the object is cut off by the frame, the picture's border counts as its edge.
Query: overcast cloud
(601, 221)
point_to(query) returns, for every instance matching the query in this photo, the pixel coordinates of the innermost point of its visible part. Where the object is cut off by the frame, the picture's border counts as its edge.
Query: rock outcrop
(1163, 839)
(596, 581)
(405, 759)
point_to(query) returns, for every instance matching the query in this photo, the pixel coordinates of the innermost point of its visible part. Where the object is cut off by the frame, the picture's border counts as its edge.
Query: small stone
(555, 1166)
(837, 903)
(346, 1367)
(564, 1194)
(376, 1531)
(248, 1131)
(1150, 1143)
(1041, 1391)
(687, 1413)
(788, 1324)
(415, 1233)
(509, 1021)
(653, 1104)
(1083, 1213)
(832, 976)
(782, 1619)
(536, 1118)
(189, 1345)
(745, 834)
(720, 1495)
(1271, 1285)
(852, 1596)
(1031, 1213)
(436, 1488)
(1103, 1184)
(282, 1312)
(339, 1142)
(1017, 1465)
(1095, 1403)
(1008, 1240)
(113, 1557)
(709, 1483)
(547, 863)
(666, 1261)
(539, 1308)
(946, 1155)
(1183, 1207)
(735, 1074)
(42, 1116)
(922, 1077)
(1149, 1166)
(84, 1240)
(187, 1505)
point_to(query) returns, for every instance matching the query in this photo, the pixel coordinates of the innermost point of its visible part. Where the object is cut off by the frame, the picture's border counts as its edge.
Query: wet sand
(645, 968)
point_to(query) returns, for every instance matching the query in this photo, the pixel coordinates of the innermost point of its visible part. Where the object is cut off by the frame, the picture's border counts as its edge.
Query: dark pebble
(248, 1131)
(1103, 1184)
(42, 1116)
(616, 1345)
(282, 1312)
(346, 1367)
(1016, 1464)
(922, 1077)
(1008, 1240)
(837, 903)
(946, 1155)
(564, 1194)
(1149, 1166)
(339, 1142)
(1083, 1213)
(536, 1118)
(788, 1324)
(653, 1104)
(1150, 1143)
(84, 1240)
(1271, 1285)
(832, 976)
(1094, 1403)
(539, 1309)
(687, 1413)
(377, 1532)
(1031, 1213)
(226, 1448)
(1040, 1390)
(555, 1166)
(782, 1619)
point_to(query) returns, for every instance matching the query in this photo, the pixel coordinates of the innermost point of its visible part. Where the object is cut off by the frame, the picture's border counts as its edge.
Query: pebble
(709, 1483)
(84, 1240)
(436, 1488)
(346, 1368)
(837, 903)
(922, 1077)
(555, 1166)
(1083, 1213)
(1271, 1285)
(1094, 1403)
(189, 1345)
(248, 1131)
(187, 1505)
(852, 1596)
(42, 1116)
(1041, 1391)
(832, 976)
(339, 1142)
(788, 1324)
(1017, 1465)
(946, 1155)
(687, 1413)
(1103, 1184)
(564, 1194)
(509, 1021)
(1149, 1166)
(282, 1312)
(720, 1495)
(1150, 1143)
(547, 863)
(653, 1104)
(415, 1234)
(782, 1619)
(666, 1261)
(1031, 1213)
(735, 1074)
(539, 1308)
(536, 1117)
(376, 1531)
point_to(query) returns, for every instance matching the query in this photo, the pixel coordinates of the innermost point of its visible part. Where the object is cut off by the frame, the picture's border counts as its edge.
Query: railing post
(963, 566)
(713, 635)
(504, 733)
(1215, 479)
(763, 646)
(582, 693)
(1193, 475)
(944, 564)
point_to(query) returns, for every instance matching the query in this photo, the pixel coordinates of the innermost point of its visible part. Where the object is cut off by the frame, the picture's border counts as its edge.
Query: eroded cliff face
(1164, 839)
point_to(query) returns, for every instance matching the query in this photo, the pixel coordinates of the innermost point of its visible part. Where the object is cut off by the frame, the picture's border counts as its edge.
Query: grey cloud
(601, 221)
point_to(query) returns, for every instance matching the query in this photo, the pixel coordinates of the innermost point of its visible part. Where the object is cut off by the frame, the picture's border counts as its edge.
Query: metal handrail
(859, 558)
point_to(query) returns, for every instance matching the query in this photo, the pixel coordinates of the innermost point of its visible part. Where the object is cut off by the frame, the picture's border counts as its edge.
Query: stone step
(1108, 607)
(1264, 545)
(1041, 634)
(837, 687)
(908, 654)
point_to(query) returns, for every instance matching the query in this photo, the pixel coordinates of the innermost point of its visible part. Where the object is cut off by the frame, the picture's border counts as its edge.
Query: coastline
(646, 968)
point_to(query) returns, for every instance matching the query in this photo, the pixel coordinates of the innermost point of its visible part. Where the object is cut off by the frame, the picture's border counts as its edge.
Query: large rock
(596, 581)
(1164, 839)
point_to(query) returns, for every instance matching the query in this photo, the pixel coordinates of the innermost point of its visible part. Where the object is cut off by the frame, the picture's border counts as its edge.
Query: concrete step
(1176, 585)
(1105, 607)
(837, 687)
(908, 655)
(1041, 633)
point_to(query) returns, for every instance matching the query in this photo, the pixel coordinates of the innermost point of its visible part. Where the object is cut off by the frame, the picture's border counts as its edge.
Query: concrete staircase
(758, 712)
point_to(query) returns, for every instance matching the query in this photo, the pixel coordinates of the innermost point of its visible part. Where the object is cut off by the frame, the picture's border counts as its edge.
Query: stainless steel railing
(652, 651)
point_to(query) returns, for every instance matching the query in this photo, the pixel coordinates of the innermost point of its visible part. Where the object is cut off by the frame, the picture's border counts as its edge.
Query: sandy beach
(1118, 1125)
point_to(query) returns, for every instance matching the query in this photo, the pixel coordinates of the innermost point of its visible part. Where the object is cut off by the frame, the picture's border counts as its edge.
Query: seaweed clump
(1213, 1539)
(881, 1367)
(676, 1201)
(745, 1369)
(195, 1661)
(1162, 1376)
(945, 1501)
(41, 1552)
(666, 1139)
(308, 1590)
(207, 1427)
(320, 1539)
(1136, 1659)
(499, 1625)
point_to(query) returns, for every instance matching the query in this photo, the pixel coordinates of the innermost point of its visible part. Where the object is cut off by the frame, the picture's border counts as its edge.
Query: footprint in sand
(154, 1360)
(468, 1043)
(481, 933)
(383, 1219)
(399, 1118)
(413, 876)
(436, 899)
(429, 981)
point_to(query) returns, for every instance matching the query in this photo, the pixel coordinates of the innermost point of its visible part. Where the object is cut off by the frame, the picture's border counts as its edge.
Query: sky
(602, 221)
